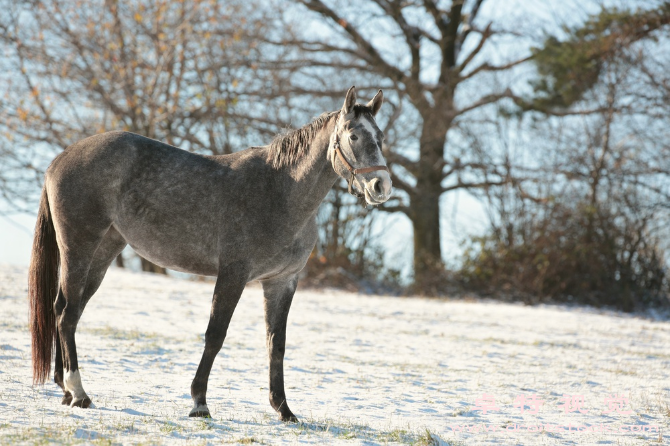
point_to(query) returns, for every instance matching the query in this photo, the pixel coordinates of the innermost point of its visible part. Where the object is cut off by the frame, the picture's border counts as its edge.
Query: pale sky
(16, 238)
(462, 215)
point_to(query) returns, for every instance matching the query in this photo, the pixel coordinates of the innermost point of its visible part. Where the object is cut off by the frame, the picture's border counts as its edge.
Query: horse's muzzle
(377, 190)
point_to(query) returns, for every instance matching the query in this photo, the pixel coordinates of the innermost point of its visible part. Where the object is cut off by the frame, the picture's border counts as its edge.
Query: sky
(16, 237)
(462, 215)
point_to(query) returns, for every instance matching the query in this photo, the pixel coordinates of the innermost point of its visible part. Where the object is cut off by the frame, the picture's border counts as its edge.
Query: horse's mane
(288, 147)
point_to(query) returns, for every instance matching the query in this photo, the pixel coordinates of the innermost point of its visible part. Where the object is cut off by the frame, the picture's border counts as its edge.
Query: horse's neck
(313, 175)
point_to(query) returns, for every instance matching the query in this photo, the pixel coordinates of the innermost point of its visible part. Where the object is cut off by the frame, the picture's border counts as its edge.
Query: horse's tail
(42, 288)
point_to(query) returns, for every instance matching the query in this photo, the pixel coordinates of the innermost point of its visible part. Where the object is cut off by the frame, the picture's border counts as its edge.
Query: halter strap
(350, 168)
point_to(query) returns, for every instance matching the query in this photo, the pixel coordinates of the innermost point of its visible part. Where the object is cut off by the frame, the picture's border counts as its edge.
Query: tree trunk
(424, 207)
(149, 267)
(425, 216)
(334, 247)
(119, 261)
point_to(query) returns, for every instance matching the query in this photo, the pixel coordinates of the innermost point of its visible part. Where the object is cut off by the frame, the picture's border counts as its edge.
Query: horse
(242, 217)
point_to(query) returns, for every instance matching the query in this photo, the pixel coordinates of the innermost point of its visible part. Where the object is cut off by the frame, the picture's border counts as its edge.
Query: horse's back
(97, 171)
(149, 191)
(120, 155)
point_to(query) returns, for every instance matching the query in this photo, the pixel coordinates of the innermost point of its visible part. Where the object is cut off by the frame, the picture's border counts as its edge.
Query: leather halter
(351, 169)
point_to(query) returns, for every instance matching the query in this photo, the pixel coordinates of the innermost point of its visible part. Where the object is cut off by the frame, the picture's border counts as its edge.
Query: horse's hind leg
(278, 297)
(111, 246)
(58, 366)
(81, 276)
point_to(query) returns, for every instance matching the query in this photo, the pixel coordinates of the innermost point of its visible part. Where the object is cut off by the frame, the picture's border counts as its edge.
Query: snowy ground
(359, 370)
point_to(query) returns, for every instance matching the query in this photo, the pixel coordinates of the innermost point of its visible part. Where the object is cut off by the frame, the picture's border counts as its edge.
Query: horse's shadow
(330, 430)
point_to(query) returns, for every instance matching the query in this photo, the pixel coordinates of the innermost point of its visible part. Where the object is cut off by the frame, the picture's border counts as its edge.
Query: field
(359, 370)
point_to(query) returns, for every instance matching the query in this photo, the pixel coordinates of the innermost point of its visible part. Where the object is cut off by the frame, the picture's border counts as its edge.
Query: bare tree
(431, 55)
(182, 72)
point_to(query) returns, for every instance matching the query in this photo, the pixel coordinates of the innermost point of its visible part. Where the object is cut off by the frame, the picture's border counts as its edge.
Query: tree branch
(488, 99)
(485, 36)
(488, 67)
(466, 32)
(397, 208)
(481, 185)
(372, 55)
(412, 34)
(402, 185)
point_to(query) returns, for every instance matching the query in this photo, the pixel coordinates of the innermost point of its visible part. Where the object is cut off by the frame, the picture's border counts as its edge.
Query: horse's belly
(189, 253)
(180, 261)
(170, 228)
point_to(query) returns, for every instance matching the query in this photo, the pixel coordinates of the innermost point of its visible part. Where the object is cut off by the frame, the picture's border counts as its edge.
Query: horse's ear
(376, 103)
(349, 101)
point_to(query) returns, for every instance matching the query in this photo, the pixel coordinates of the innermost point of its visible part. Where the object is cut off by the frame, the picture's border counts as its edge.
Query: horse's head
(356, 149)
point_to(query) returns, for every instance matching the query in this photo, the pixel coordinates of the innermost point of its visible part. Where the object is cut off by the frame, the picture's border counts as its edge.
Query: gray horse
(241, 217)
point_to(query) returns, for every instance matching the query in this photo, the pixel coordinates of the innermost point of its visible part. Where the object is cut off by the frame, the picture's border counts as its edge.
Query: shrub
(577, 253)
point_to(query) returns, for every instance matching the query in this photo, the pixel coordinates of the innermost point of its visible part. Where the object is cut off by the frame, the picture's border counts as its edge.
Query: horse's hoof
(288, 418)
(67, 399)
(81, 402)
(200, 411)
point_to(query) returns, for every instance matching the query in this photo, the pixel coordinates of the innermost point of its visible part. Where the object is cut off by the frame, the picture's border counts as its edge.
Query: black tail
(42, 289)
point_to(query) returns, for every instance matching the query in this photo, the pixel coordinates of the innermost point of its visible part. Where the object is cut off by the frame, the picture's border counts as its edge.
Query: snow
(358, 370)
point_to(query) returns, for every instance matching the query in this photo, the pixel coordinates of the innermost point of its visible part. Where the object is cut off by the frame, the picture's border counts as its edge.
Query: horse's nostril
(377, 187)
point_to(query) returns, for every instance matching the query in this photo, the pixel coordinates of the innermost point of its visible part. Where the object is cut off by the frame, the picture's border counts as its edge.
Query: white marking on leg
(72, 382)
(199, 410)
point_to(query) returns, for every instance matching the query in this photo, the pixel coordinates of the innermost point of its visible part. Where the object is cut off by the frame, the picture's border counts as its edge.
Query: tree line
(560, 133)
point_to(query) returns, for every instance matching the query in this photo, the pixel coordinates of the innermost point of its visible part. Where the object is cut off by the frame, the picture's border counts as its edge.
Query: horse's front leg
(227, 291)
(278, 297)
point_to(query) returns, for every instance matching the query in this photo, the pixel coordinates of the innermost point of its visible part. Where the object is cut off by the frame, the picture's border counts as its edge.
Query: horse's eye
(353, 137)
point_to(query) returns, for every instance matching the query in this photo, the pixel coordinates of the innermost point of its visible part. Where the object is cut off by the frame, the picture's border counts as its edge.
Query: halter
(350, 168)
